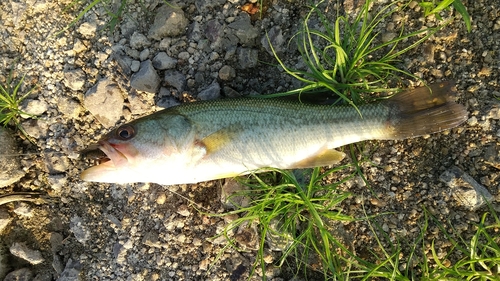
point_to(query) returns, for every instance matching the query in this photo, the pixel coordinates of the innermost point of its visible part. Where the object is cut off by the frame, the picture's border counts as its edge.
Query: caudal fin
(425, 110)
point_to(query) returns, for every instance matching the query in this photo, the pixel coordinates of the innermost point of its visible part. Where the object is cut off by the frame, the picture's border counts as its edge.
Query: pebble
(22, 251)
(5, 219)
(56, 242)
(23, 209)
(247, 58)
(244, 30)
(227, 73)
(10, 168)
(87, 29)
(175, 79)
(163, 61)
(71, 271)
(139, 41)
(22, 274)
(169, 21)
(232, 194)
(214, 31)
(274, 38)
(105, 102)
(69, 107)
(79, 229)
(74, 79)
(146, 79)
(210, 93)
(468, 192)
(33, 108)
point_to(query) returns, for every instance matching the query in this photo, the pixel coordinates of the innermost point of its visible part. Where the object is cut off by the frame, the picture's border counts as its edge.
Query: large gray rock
(468, 192)
(10, 170)
(146, 79)
(169, 21)
(105, 102)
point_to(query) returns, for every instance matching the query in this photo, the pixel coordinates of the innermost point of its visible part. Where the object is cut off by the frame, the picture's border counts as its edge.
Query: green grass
(435, 7)
(10, 99)
(297, 210)
(115, 14)
(348, 58)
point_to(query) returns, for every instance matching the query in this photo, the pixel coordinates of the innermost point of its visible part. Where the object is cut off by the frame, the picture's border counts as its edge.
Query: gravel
(90, 79)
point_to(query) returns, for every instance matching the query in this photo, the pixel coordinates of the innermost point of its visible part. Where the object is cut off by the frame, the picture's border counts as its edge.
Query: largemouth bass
(202, 141)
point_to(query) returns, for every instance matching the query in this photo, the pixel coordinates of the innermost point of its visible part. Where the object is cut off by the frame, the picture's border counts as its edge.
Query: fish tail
(425, 110)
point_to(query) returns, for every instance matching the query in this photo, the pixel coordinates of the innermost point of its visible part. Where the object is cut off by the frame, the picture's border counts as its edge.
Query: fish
(207, 140)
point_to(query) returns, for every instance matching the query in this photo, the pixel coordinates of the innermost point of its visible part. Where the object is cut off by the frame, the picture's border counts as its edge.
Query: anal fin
(323, 158)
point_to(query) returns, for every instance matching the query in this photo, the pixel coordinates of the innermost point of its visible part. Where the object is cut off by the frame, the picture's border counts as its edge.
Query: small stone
(56, 242)
(247, 237)
(468, 192)
(214, 30)
(74, 79)
(146, 79)
(33, 108)
(274, 38)
(139, 41)
(244, 30)
(22, 251)
(234, 195)
(69, 107)
(5, 219)
(175, 79)
(79, 229)
(169, 21)
(151, 240)
(23, 209)
(135, 65)
(71, 271)
(276, 237)
(144, 55)
(388, 36)
(10, 169)
(167, 102)
(230, 92)
(210, 93)
(183, 210)
(161, 199)
(105, 102)
(163, 61)
(23, 274)
(87, 29)
(227, 73)
(247, 58)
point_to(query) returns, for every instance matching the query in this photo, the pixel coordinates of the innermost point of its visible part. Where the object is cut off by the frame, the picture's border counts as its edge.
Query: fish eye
(125, 132)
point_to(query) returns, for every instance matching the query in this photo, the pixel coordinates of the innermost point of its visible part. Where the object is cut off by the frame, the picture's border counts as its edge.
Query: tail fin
(425, 110)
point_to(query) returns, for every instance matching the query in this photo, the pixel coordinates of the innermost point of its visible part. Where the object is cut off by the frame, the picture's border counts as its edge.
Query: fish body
(202, 141)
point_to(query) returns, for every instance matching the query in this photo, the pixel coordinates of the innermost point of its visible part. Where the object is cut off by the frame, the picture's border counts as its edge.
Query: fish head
(142, 150)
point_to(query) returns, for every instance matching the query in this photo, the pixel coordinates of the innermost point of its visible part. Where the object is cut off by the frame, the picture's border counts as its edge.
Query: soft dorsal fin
(323, 158)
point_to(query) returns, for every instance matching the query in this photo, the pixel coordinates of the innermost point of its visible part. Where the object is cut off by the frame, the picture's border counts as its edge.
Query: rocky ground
(90, 78)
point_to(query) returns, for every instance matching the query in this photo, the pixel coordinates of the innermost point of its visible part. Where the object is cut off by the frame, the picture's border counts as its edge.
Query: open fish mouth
(93, 152)
(110, 160)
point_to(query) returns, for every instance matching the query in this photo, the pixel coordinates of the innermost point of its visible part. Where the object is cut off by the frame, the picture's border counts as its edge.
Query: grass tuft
(347, 57)
(10, 99)
(296, 211)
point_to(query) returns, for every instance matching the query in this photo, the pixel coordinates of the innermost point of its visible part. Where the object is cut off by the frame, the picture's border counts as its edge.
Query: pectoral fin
(217, 140)
(323, 158)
